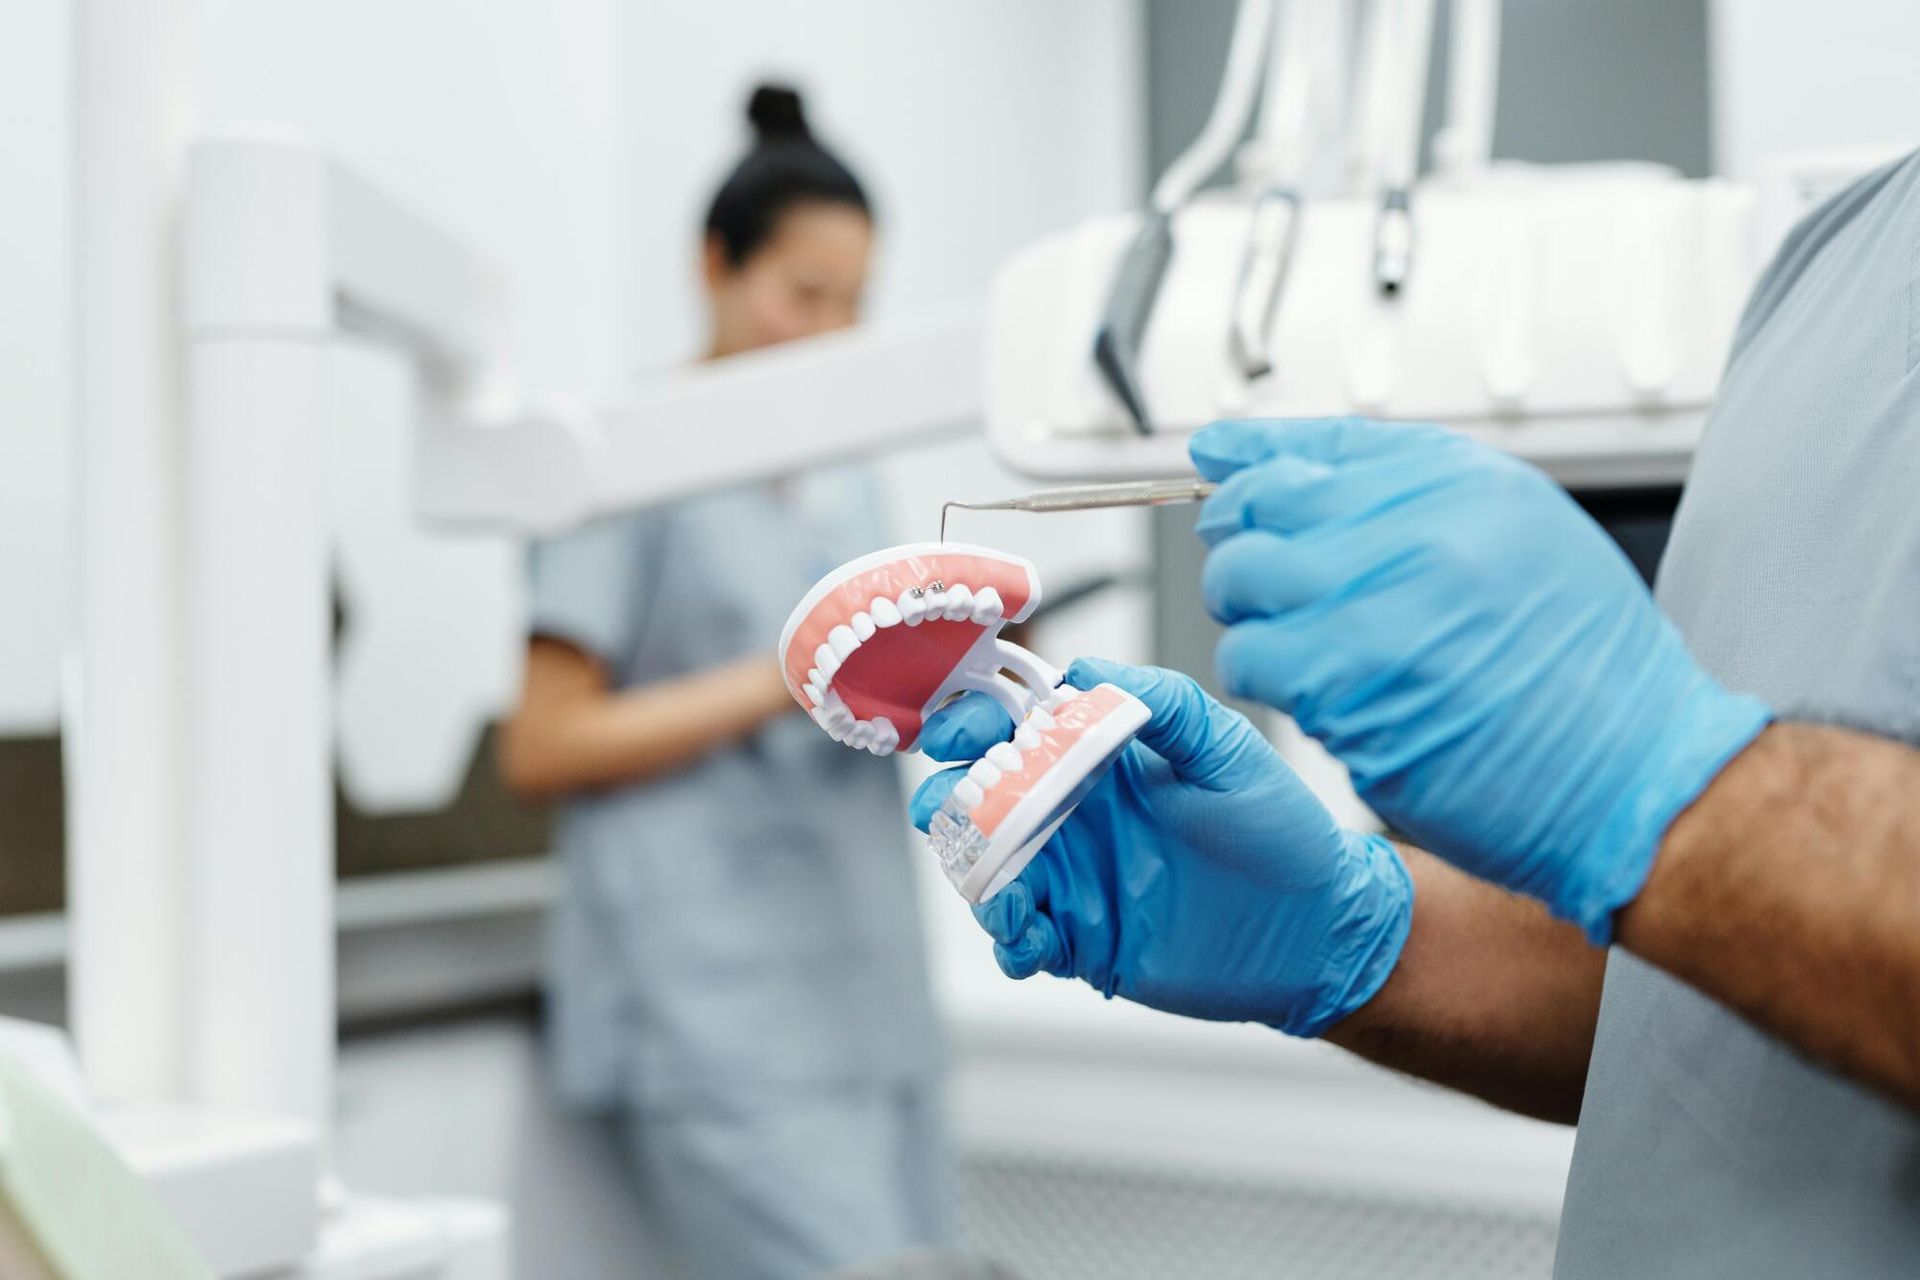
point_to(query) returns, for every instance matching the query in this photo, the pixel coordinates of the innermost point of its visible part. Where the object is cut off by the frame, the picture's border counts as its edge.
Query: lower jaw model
(879, 644)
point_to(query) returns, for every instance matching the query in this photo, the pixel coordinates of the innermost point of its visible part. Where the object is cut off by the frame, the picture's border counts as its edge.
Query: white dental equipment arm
(285, 252)
(1247, 56)
(1302, 121)
(1136, 282)
(1464, 144)
(1577, 316)
(546, 464)
(1398, 44)
(1274, 160)
(1298, 46)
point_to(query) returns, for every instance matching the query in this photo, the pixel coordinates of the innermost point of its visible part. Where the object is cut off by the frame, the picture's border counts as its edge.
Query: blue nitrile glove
(1482, 657)
(1200, 876)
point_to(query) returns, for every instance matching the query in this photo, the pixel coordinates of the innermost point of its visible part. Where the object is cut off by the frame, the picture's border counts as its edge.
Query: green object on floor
(69, 1207)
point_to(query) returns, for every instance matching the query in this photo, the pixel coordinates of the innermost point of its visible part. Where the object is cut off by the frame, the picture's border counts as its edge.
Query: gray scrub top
(1706, 1147)
(747, 922)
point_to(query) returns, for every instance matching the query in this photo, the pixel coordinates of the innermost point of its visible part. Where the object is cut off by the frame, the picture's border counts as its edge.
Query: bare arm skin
(574, 732)
(1492, 996)
(1790, 892)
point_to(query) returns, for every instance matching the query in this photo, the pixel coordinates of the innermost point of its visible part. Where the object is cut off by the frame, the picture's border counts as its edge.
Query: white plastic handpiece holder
(883, 641)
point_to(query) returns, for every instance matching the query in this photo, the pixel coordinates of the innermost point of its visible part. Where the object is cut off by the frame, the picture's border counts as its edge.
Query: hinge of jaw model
(883, 641)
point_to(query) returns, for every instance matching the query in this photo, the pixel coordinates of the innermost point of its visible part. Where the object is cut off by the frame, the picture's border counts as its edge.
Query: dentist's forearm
(1491, 996)
(1790, 892)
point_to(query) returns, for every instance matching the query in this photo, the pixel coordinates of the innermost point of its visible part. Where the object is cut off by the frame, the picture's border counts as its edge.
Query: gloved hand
(1482, 657)
(1199, 876)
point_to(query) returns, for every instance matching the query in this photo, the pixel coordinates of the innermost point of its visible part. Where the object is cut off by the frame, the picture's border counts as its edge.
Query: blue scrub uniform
(1708, 1147)
(736, 959)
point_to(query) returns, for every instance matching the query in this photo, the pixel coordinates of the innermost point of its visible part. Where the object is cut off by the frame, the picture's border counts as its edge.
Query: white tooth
(886, 737)
(843, 640)
(936, 602)
(885, 612)
(985, 772)
(959, 602)
(988, 606)
(863, 627)
(816, 677)
(912, 608)
(1005, 756)
(815, 696)
(1060, 697)
(1026, 737)
(861, 735)
(826, 660)
(1041, 719)
(968, 792)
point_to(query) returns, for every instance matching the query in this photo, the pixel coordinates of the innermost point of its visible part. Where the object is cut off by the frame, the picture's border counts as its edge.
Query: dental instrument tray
(1576, 317)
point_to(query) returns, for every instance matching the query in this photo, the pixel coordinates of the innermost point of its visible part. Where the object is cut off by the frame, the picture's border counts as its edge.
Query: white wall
(976, 127)
(1812, 75)
(501, 120)
(35, 355)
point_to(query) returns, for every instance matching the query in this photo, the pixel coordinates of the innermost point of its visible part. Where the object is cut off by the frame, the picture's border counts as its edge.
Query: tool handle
(1136, 493)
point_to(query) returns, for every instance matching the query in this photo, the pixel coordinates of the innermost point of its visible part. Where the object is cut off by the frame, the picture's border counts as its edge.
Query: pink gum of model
(1072, 718)
(878, 644)
(896, 670)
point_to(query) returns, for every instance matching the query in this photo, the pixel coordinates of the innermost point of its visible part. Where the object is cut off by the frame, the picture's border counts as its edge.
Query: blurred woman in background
(737, 967)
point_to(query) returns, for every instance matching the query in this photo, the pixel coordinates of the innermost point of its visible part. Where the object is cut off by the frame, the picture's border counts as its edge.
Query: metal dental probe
(1094, 497)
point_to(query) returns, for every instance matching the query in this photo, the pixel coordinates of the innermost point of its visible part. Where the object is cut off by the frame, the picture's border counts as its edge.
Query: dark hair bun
(777, 115)
(785, 166)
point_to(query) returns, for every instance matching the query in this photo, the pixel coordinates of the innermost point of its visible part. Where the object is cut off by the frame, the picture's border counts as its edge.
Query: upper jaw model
(883, 641)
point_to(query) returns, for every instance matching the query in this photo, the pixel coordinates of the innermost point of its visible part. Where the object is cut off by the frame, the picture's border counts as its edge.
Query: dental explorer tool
(1094, 497)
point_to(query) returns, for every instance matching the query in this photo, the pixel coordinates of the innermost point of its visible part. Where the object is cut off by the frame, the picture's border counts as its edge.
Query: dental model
(882, 642)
